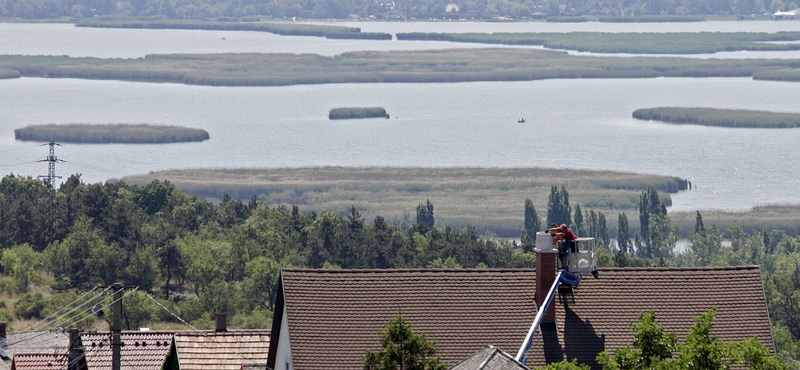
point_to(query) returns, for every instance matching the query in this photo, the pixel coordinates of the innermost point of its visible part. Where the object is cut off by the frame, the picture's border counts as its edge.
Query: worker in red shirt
(569, 236)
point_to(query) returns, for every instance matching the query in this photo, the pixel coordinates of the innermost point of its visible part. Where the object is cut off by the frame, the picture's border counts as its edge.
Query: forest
(255, 10)
(189, 258)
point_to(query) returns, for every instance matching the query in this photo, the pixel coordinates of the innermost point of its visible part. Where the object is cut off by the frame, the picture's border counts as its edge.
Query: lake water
(570, 123)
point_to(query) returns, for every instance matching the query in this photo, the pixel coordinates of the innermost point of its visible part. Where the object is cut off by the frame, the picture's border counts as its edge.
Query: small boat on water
(521, 120)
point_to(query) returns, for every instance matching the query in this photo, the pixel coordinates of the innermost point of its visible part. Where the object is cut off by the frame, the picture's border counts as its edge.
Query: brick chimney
(545, 277)
(222, 322)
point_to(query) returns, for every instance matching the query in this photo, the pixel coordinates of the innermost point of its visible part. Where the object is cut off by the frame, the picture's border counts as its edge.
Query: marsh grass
(651, 18)
(720, 117)
(286, 29)
(353, 113)
(634, 43)
(768, 217)
(111, 133)
(8, 73)
(488, 198)
(453, 65)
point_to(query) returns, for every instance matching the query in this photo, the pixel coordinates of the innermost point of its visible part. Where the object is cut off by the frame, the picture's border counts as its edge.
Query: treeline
(351, 113)
(115, 133)
(200, 257)
(720, 117)
(253, 10)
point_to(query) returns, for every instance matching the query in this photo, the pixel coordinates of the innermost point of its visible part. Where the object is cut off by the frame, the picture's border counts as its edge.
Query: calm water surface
(570, 123)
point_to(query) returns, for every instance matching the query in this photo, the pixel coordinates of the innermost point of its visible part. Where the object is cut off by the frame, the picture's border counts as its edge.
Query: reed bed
(567, 19)
(720, 117)
(651, 18)
(286, 29)
(353, 113)
(488, 198)
(634, 43)
(111, 133)
(9, 73)
(763, 218)
(791, 75)
(453, 65)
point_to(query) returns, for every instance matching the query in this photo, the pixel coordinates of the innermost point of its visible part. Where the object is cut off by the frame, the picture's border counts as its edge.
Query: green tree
(623, 236)
(558, 209)
(578, 224)
(532, 223)
(260, 282)
(22, 264)
(137, 310)
(403, 350)
(653, 348)
(425, 215)
(565, 365)
(650, 206)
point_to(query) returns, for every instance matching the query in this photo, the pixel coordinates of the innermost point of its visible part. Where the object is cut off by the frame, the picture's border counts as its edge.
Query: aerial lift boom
(580, 261)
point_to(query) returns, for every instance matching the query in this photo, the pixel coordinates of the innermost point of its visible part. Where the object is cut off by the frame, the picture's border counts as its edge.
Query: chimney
(3, 327)
(545, 277)
(222, 322)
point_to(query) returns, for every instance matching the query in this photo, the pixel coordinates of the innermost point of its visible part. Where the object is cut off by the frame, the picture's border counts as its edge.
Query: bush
(30, 306)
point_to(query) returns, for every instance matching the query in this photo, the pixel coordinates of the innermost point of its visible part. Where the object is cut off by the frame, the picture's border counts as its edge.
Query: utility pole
(116, 328)
(50, 180)
(51, 160)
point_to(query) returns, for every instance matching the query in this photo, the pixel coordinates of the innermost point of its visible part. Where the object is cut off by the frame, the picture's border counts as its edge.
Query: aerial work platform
(579, 261)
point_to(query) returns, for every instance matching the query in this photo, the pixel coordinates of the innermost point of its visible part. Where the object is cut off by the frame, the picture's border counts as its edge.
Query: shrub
(30, 306)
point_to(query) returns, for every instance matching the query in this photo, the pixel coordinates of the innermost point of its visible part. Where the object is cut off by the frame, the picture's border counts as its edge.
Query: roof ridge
(508, 270)
(687, 268)
(409, 270)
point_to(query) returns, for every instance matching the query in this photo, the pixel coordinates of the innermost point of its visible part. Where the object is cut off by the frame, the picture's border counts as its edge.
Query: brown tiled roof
(334, 315)
(40, 361)
(141, 350)
(228, 350)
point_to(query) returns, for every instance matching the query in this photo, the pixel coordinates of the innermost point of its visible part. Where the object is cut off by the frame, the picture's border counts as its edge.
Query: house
(219, 349)
(28, 343)
(140, 350)
(40, 361)
(328, 318)
(490, 358)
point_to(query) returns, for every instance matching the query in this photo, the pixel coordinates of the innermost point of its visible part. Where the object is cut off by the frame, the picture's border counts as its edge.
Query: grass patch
(111, 133)
(488, 198)
(633, 43)
(651, 18)
(720, 117)
(352, 113)
(453, 65)
(285, 29)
